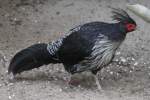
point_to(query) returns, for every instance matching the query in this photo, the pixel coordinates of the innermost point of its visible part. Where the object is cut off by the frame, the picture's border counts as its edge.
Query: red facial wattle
(130, 27)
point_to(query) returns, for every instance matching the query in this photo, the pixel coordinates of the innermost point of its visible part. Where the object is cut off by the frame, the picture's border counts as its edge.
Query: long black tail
(31, 57)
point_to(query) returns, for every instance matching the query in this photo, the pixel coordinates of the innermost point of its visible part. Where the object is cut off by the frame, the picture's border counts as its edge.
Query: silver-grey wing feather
(102, 54)
(54, 45)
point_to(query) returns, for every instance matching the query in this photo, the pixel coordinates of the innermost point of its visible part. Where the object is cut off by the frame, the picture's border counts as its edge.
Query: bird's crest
(121, 15)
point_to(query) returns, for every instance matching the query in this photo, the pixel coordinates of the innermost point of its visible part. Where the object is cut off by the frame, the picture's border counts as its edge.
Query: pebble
(132, 59)
(23, 8)
(102, 78)
(10, 84)
(2, 78)
(117, 60)
(60, 90)
(55, 79)
(117, 74)
(9, 97)
(6, 71)
(111, 73)
(65, 78)
(117, 65)
(6, 15)
(118, 53)
(23, 81)
(136, 63)
(79, 86)
(15, 19)
(123, 59)
(133, 68)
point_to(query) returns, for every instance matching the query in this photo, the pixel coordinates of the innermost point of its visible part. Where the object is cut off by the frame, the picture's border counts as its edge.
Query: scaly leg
(97, 83)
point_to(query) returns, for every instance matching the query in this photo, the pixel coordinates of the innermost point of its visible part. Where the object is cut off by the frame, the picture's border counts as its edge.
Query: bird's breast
(103, 53)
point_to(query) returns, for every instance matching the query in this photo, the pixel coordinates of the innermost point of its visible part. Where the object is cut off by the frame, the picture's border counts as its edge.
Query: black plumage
(90, 46)
(78, 45)
(31, 57)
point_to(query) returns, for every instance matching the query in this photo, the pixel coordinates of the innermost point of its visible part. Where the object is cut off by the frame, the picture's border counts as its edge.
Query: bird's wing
(78, 44)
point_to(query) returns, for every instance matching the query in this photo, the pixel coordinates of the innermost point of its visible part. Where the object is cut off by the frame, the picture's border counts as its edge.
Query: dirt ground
(25, 22)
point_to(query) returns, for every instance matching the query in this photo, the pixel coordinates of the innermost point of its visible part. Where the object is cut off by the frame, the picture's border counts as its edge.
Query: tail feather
(31, 57)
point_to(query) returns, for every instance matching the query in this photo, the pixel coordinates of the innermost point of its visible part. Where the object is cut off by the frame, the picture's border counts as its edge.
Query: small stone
(118, 53)
(133, 68)
(79, 86)
(60, 90)
(117, 74)
(55, 79)
(117, 60)
(2, 78)
(111, 73)
(23, 8)
(9, 97)
(6, 71)
(13, 95)
(6, 15)
(117, 65)
(10, 84)
(23, 82)
(108, 70)
(136, 63)
(123, 59)
(102, 78)
(65, 78)
(15, 19)
(132, 59)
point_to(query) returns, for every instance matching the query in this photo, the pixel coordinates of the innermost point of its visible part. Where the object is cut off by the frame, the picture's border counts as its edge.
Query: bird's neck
(122, 28)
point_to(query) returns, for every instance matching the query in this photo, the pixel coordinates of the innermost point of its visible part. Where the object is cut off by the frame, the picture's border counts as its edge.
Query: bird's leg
(94, 72)
(97, 83)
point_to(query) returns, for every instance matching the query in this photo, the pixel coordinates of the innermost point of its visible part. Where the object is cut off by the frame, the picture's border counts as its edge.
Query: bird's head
(122, 17)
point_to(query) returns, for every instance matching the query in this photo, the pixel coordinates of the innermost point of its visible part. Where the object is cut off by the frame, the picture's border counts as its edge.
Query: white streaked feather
(102, 54)
(54, 45)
